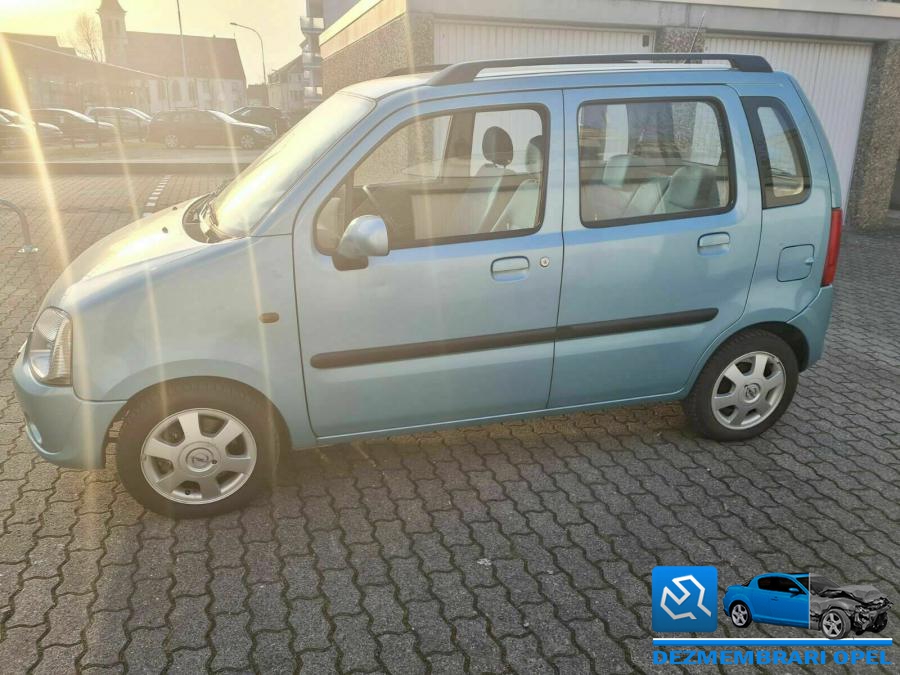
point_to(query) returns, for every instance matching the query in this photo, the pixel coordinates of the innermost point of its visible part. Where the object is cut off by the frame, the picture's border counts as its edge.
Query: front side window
(783, 169)
(447, 178)
(652, 160)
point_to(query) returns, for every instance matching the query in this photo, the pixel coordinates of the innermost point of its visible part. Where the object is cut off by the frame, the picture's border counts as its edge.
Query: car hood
(860, 592)
(48, 128)
(141, 247)
(248, 125)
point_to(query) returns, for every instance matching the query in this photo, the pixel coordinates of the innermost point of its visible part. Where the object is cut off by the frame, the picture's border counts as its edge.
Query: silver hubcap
(247, 142)
(748, 390)
(739, 615)
(172, 141)
(198, 456)
(832, 625)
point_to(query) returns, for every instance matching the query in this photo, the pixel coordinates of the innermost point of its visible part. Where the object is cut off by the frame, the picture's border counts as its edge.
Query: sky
(278, 21)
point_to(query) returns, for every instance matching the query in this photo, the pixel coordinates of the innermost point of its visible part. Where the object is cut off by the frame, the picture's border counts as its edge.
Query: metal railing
(27, 245)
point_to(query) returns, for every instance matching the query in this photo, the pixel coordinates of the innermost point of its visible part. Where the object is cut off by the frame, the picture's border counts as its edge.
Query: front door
(661, 234)
(457, 321)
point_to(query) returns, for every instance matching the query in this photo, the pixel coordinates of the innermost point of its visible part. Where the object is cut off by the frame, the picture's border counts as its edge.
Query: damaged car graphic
(836, 609)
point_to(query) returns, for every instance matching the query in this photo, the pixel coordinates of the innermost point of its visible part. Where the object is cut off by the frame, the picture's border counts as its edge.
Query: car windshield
(249, 197)
(820, 584)
(144, 116)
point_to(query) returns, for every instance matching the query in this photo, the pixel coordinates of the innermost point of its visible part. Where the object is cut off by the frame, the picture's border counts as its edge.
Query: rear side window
(783, 169)
(647, 160)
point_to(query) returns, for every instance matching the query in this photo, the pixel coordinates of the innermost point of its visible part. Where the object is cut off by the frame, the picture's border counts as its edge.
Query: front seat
(520, 213)
(477, 202)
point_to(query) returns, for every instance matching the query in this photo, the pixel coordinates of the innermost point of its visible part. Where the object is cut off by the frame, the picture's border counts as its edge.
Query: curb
(125, 168)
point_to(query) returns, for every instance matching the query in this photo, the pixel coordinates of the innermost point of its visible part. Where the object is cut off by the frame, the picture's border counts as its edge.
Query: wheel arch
(158, 390)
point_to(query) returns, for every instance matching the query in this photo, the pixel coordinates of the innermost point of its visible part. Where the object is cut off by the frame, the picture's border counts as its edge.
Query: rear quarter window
(783, 168)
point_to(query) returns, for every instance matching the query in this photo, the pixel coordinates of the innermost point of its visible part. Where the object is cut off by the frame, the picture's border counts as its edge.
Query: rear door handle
(714, 243)
(510, 269)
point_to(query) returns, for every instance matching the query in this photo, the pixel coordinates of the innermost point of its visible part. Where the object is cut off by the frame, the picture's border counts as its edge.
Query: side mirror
(365, 236)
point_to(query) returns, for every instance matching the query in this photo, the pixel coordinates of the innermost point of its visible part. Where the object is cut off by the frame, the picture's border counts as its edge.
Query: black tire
(698, 405)
(880, 623)
(736, 624)
(240, 402)
(840, 616)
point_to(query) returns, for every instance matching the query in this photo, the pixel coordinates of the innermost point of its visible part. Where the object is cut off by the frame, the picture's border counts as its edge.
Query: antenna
(696, 33)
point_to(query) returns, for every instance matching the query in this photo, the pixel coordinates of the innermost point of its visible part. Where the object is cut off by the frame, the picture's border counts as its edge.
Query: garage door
(833, 75)
(461, 41)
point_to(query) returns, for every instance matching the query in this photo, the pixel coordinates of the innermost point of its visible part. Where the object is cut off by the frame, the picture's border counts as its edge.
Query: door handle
(509, 269)
(713, 244)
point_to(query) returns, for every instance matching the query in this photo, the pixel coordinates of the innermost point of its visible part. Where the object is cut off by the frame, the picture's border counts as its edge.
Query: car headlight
(49, 351)
(263, 132)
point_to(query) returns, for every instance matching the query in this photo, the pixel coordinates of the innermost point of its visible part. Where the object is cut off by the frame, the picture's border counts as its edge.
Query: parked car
(781, 599)
(75, 126)
(129, 122)
(48, 134)
(836, 610)
(409, 234)
(265, 115)
(12, 135)
(187, 128)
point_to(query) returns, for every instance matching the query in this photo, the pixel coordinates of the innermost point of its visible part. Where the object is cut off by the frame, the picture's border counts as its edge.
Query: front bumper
(62, 428)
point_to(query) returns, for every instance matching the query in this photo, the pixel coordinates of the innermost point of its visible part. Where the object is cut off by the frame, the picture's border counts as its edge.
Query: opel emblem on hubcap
(751, 391)
(199, 459)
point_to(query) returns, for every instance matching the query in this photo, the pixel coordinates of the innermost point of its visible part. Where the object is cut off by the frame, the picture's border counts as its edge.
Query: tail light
(834, 247)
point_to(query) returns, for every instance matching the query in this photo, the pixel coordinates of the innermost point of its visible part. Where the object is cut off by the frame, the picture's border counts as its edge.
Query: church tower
(112, 25)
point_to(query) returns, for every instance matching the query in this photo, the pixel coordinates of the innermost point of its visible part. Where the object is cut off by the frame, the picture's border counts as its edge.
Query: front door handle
(715, 243)
(509, 269)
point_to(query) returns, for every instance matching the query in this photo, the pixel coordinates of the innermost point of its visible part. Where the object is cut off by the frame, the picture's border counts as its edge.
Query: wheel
(880, 623)
(202, 448)
(740, 615)
(744, 388)
(248, 142)
(171, 141)
(835, 624)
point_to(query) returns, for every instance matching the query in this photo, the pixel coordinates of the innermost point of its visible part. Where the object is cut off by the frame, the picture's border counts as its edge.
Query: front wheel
(171, 141)
(880, 623)
(744, 388)
(835, 624)
(202, 448)
(248, 142)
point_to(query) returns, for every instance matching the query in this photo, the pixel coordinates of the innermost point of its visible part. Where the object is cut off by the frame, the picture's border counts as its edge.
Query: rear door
(661, 233)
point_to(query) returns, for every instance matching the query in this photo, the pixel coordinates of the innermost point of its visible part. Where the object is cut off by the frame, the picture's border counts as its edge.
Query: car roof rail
(467, 71)
(418, 68)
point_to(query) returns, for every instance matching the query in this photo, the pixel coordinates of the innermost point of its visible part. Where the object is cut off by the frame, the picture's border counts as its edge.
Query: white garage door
(833, 75)
(461, 41)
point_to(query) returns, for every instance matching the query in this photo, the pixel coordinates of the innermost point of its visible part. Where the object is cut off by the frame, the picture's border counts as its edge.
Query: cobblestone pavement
(517, 547)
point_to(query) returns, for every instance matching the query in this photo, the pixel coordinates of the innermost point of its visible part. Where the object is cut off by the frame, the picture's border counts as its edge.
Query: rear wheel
(740, 615)
(203, 448)
(835, 624)
(744, 388)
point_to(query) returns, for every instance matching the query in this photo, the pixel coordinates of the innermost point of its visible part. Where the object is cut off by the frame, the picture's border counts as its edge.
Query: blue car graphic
(776, 598)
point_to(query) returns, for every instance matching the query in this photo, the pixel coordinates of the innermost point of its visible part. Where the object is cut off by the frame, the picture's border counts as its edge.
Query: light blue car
(484, 242)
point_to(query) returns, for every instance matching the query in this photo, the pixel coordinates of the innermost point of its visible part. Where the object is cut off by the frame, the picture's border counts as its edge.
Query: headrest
(534, 155)
(693, 187)
(497, 147)
(620, 171)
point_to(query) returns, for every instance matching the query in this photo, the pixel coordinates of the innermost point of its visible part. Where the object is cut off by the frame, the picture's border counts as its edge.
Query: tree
(87, 38)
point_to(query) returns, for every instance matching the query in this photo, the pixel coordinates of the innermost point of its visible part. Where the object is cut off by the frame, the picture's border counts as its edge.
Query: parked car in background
(188, 128)
(75, 126)
(48, 134)
(12, 135)
(266, 115)
(129, 122)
